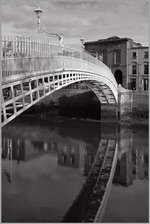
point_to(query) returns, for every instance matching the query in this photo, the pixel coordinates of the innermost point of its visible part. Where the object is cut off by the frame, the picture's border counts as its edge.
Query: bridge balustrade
(33, 69)
(22, 55)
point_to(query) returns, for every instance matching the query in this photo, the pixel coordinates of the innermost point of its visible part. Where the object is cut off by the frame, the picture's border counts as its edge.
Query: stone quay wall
(132, 107)
(140, 106)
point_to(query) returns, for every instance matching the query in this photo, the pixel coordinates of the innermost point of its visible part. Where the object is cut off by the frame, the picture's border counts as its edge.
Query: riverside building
(138, 67)
(127, 60)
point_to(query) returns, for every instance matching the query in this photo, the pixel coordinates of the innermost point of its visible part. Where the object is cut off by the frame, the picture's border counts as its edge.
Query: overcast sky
(91, 19)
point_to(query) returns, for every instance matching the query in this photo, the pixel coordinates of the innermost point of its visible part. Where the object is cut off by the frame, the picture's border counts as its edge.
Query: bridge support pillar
(125, 104)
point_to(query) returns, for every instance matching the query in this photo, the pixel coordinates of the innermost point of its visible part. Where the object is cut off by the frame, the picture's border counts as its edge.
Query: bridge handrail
(25, 48)
(13, 47)
(23, 45)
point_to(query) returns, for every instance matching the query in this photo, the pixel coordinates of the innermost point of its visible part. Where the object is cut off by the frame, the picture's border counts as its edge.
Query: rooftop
(109, 39)
(140, 47)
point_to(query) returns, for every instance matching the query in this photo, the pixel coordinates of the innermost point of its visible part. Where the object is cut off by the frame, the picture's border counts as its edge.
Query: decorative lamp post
(38, 12)
(82, 43)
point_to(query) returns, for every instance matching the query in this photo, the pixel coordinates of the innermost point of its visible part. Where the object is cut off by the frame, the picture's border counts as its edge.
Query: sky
(76, 19)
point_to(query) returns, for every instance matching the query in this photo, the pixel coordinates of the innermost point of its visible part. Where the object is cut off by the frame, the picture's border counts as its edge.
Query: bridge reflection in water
(26, 144)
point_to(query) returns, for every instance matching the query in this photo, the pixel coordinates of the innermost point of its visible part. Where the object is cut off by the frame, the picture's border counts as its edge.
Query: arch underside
(102, 91)
(19, 95)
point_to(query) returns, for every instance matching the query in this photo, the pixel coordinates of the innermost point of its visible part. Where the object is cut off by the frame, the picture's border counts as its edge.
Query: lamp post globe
(38, 12)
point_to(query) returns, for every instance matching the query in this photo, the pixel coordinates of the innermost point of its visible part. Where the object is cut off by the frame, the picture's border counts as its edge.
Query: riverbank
(83, 104)
(56, 118)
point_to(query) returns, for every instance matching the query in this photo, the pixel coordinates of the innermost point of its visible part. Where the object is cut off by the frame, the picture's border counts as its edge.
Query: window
(117, 57)
(134, 68)
(145, 84)
(146, 54)
(134, 55)
(133, 83)
(146, 69)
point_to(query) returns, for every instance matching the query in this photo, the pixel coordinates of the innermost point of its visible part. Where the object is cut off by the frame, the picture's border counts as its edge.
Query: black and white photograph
(74, 111)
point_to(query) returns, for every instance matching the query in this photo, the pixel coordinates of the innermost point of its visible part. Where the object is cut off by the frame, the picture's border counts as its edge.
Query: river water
(45, 164)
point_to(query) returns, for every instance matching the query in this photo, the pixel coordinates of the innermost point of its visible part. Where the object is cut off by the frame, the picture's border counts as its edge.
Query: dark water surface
(45, 164)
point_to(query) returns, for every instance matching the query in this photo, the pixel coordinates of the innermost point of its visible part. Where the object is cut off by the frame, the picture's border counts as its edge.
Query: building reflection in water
(13, 149)
(123, 174)
(132, 159)
(75, 154)
(88, 159)
(68, 155)
(71, 153)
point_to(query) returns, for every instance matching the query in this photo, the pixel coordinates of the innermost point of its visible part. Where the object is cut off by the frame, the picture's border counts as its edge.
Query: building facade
(138, 68)
(127, 60)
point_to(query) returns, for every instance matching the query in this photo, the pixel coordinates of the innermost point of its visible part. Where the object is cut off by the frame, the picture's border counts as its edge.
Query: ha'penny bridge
(33, 67)
(32, 70)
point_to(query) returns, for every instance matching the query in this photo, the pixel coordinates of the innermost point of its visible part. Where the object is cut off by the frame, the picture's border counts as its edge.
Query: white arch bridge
(33, 69)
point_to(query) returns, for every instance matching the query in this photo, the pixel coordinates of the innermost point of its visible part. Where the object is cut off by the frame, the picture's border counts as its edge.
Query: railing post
(23, 100)
(13, 97)
(30, 90)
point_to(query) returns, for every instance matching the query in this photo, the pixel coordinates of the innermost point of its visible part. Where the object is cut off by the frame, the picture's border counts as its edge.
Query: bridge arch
(29, 78)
